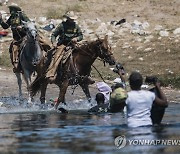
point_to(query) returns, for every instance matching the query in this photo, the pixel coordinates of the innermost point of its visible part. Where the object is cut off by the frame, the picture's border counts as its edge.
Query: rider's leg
(56, 58)
(14, 55)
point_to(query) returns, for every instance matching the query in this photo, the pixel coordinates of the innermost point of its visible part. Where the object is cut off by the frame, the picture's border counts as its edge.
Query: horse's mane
(89, 44)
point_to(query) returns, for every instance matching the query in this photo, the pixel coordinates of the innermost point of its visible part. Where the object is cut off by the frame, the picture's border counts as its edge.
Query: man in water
(139, 102)
(101, 107)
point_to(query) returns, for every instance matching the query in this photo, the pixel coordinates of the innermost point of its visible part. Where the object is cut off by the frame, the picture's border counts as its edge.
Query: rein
(98, 73)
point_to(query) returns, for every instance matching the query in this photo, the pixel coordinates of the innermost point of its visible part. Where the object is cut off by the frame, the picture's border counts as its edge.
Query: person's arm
(161, 100)
(79, 34)
(56, 32)
(24, 17)
(5, 25)
(121, 76)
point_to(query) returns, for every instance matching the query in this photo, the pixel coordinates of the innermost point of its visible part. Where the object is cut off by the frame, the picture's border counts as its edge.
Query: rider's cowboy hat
(14, 6)
(71, 15)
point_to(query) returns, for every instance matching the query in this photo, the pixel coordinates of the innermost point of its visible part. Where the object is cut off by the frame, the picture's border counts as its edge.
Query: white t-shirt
(139, 105)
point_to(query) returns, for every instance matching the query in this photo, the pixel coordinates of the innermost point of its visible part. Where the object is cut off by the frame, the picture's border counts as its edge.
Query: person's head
(70, 16)
(135, 80)
(100, 98)
(117, 83)
(14, 8)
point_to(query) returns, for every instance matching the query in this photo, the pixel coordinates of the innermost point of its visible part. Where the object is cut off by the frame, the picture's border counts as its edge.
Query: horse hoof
(63, 110)
(64, 103)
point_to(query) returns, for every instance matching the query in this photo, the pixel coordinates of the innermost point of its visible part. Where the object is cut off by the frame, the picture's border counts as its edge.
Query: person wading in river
(139, 102)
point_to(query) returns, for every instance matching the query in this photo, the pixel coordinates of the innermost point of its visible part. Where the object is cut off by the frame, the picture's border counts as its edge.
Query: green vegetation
(173, 81)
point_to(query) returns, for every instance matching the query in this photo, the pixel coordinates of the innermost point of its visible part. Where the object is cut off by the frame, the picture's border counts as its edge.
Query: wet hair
(117, 85)
(135, 80)
(100, 98)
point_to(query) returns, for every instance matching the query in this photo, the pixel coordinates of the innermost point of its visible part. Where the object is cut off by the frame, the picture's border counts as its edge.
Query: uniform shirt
(14, 21)
(139, 104)
(66, 32)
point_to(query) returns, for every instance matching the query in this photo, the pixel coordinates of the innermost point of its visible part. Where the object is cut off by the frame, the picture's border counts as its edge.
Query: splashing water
(15, 105)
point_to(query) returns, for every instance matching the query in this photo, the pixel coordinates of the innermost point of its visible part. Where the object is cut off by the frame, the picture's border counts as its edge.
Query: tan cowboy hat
(71, 15)
(14, 6)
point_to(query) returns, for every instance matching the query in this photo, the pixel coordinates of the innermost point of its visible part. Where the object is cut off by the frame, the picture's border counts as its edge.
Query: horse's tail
(36, 85)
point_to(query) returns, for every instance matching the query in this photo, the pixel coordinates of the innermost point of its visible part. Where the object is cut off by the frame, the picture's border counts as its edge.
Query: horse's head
(32, 48)
(105, 52)
(31, 30)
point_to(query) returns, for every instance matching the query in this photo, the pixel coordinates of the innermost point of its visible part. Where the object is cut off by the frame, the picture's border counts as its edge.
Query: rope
(98, 73)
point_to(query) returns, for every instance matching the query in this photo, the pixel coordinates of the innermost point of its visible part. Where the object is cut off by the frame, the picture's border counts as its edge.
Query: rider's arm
(5, 25)
(24, 17)
(79, 34)
(57, 31)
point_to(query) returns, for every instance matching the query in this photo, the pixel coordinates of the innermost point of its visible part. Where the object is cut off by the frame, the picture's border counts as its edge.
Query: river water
(47, 131)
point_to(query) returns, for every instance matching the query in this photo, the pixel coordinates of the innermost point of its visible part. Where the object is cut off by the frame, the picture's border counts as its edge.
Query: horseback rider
(68, 33)
(15, 21)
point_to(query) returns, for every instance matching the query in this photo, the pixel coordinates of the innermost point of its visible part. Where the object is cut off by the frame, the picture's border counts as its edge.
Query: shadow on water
(52, 132)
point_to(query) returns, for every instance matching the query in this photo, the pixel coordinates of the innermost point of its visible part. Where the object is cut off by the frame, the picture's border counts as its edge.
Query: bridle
(101, 54)
(30, 32)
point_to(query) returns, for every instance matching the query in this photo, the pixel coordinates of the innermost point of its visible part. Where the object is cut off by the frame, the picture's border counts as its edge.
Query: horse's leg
(63, 88)
(43, 92)
(27, 78)
(85, 89)
(19, 81)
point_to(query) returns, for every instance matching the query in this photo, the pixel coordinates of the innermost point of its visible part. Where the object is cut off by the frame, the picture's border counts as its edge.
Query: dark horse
(31, 55)
(76, 69)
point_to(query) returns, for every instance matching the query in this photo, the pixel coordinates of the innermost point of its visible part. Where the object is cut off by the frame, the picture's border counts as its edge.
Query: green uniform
(66, 32)
(15, 20)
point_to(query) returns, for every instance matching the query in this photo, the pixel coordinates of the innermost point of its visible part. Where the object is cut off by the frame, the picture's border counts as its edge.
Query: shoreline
(9, 87)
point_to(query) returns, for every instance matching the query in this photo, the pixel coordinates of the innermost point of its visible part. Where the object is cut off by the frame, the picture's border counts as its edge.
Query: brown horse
(76, 69)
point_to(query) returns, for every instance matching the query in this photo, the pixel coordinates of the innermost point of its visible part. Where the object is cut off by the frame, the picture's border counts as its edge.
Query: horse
(30, 56)
(76, 69)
